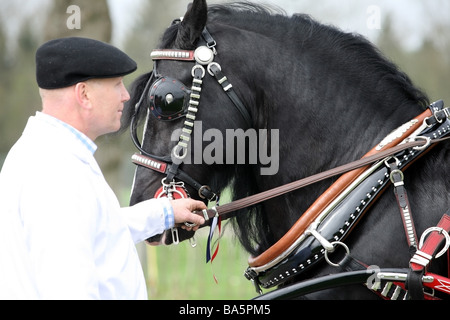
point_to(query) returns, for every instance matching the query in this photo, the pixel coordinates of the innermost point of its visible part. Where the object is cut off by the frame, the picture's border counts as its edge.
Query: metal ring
(441, 231)
(213, 64)
(391, 176)
(190, 225)
(200, 190)
(397, 162)
(427, 140)
(326, 253)
(197, 66)
(176, 154)
(163, 182)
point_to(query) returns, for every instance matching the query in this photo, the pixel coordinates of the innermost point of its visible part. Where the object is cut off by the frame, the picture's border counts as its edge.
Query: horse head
(187, 115)
(295, 81)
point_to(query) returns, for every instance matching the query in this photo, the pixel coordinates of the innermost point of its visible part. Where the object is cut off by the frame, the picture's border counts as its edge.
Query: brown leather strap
(368, 159)
(278, 191)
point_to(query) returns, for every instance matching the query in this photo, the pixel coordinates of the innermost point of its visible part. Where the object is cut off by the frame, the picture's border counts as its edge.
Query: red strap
(448, 263)
(148, 162)
(439, 283)
(172, 54)
(427, 252)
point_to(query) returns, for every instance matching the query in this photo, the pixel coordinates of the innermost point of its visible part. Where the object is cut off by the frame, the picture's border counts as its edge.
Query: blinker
(168, 99)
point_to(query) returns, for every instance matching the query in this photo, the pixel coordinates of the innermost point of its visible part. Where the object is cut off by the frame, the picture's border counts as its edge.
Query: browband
(172, 54)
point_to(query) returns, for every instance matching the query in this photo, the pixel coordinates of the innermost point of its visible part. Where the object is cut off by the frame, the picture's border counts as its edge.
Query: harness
(324, 226)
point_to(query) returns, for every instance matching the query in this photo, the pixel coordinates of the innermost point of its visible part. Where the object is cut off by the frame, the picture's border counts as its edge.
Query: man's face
(107, 97)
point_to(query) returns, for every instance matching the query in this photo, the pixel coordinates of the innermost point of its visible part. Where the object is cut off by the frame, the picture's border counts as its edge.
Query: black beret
(64, 62)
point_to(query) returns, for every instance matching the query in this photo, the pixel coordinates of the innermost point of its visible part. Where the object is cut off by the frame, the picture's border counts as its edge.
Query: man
(63, 234)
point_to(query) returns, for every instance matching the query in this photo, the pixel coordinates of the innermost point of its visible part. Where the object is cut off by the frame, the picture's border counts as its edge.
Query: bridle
(169, 99)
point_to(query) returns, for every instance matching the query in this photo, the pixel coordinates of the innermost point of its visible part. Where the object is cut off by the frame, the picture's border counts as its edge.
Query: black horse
(331, 96)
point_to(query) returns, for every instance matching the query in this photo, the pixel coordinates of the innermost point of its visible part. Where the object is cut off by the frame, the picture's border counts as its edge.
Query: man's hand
(182, 210)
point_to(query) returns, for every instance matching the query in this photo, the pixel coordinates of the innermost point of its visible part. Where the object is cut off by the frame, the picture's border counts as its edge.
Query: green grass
(180, 272)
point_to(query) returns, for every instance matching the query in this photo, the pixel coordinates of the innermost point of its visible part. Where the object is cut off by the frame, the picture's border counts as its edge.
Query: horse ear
(194, 21)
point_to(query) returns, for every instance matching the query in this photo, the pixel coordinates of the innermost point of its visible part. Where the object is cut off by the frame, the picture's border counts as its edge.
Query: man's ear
(82, 95)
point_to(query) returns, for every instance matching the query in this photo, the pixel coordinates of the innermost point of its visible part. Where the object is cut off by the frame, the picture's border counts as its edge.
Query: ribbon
(217, 222)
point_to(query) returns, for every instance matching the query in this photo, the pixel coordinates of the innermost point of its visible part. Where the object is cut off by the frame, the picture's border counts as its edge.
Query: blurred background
(415, 34)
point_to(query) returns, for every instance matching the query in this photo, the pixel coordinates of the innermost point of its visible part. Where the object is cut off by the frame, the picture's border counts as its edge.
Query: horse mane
(353, 49)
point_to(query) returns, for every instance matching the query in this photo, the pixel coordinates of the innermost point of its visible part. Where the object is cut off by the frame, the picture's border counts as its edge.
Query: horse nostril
(169, 98)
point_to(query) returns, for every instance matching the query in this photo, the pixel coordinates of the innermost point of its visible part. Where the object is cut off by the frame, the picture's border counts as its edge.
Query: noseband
(160, 98)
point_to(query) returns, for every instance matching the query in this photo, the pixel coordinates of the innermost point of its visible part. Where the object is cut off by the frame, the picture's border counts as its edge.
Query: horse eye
(169, 98)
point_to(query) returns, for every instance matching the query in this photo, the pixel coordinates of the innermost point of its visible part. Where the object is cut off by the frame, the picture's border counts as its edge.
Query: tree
(428, 66)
